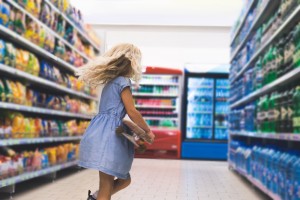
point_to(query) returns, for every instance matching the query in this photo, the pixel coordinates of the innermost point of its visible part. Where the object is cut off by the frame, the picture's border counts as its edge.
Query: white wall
(170, 46)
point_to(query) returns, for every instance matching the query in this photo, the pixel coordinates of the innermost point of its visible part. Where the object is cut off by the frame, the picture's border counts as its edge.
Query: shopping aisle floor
(154, 180)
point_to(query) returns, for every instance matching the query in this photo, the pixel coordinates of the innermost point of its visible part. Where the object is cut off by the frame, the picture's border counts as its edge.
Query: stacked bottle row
(13, 163)
(171, 90)
(251, 17)
(263, 33)
(155, 102)
(28, 62)
(160, 79)
(162, 123)
(16, 125)
(279, 59)
(278, 112)
(277, 169)
(16, 92)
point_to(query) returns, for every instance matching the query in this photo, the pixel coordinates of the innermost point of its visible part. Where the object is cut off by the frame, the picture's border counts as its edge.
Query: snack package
(30, 6)
(7, 126)
(29, 97)
(37, 160)
(51, 155)
(10, 55)
(31, 29)
(45, 14)
(44, 130)
(12, 18)
(60, 49)
(2, 135)
(33, 66)
(61, 25)
(2, 92)
(2, 51)
(18, 125)
(19, 23)
(27, 128)
(8, 91)
(49, 42)
(42, 37)
(5, 14)
(22, 59)
(21, 92)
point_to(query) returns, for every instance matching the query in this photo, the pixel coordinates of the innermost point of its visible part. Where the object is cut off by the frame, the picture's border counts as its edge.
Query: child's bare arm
(132, 112)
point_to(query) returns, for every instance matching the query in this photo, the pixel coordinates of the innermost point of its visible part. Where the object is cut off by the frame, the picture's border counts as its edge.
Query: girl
(101, 148)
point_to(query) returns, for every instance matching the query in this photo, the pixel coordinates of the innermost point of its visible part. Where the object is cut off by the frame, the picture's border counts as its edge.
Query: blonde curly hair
(121, 60)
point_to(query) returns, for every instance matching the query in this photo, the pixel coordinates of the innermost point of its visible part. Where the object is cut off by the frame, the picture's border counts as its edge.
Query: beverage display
(277, 170)
(200, 97)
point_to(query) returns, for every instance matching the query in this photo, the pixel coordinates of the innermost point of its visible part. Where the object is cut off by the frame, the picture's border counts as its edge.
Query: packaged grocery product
(78, 60)
(45, 14)
(51, 155)
(7, 126)
(42, 37)
(57, 76)
(10, 55)
(33, 66)
(8, 91)
(19, 23)
(5, 14)
(31, 30)
(21, 93)
(37, 160)
(18, 125)
(49, 42)
(72, 127)
(60, 49)
(11, 20)
(2, 135)
(70, 57)
(2, 51)
(22, 59)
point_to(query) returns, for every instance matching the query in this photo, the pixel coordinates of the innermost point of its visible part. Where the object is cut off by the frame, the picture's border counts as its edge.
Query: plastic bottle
(290, 111)
(272, 114)
(296, 116)
(258, 74)
(284, 112)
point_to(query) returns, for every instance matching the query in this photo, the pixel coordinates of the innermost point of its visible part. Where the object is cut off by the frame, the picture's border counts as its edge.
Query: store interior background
(177, 34)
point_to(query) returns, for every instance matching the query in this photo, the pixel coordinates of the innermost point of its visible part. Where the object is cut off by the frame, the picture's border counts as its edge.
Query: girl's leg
(119, 184)
(106, 186)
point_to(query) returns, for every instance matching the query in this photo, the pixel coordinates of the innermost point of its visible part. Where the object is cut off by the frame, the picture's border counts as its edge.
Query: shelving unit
(84, 35)
(17, 6)
(249, 133)
(159, 108)
(30, 175)
(43, 114)
(23, 141)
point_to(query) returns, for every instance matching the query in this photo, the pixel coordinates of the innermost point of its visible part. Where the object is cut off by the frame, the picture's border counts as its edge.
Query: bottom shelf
(255, 182)
(30, 175)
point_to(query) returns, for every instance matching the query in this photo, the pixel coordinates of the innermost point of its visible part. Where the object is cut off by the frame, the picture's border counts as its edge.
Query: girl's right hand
(152, 136)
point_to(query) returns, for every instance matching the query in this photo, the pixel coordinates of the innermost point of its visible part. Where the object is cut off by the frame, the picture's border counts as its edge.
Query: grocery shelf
(22, 141)
(200, 112)
(273, 136)
(165, 129)
(17, 107)
(238, 29)
(221, 127)
(35, 48)
(42, 81)
(283, 80)
(199, 127)
(255, 182)
(30, 175)
(16, 5)
(293, 17)
(161, 118)
(220, 87)
(139, 94)
(155, 106)
(159, 84)
(84, 35)
(270, 5)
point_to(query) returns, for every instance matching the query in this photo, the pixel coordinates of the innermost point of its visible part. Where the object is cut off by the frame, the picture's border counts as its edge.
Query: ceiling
(160, 12)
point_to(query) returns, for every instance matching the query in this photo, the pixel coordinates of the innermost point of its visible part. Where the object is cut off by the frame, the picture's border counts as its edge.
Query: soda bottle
(290, 111)
(265, 68)
(296, 116)
(284, 112)
(277, 112)
(273, 66)
(258, 74)
(272, 114)
(279, 57)
(296, 40)
(266, 123)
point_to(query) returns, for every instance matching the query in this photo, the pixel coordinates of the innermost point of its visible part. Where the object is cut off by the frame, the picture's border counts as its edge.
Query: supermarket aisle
(156, 180)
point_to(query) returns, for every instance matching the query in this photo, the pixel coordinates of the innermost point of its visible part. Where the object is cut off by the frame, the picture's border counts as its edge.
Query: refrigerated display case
(158, 99)
(204, 116)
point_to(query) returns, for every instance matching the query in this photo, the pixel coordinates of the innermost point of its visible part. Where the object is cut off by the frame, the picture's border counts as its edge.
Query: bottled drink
(296, 117)
(258, 74)
(272, 114)
(284, 112)
(290, 111)
(277, 112)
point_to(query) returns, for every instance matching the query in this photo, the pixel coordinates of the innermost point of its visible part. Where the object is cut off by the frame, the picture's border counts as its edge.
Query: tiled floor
(152, 180)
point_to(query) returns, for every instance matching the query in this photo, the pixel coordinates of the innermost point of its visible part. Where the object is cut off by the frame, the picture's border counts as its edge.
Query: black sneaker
(90, 197)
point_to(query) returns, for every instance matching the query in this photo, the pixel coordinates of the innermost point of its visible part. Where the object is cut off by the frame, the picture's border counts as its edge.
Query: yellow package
(33, 66)
(22, 59)
(18, 125)
(22, 92)
(15, 92)
(51, 155)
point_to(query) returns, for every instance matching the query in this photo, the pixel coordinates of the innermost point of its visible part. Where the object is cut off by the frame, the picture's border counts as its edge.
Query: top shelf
(293, 17)
(16, 5)
(84, 35)
(265, 11)
(243, 21)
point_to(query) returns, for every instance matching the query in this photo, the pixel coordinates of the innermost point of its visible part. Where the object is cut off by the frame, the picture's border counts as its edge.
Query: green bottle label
(283, 113)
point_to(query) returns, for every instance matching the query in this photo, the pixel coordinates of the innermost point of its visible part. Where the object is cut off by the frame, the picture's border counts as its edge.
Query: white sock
(95, 195)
